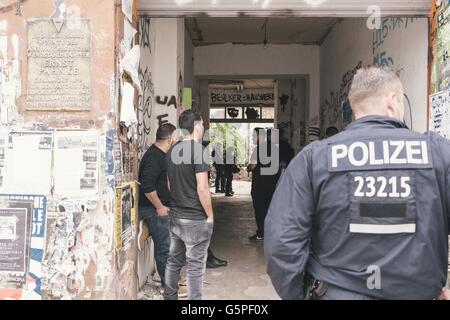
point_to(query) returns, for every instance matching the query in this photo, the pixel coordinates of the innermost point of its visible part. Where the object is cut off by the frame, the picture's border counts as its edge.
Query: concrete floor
(245, 276)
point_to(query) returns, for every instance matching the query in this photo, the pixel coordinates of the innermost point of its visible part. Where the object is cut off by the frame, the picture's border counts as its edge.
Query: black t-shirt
(287, 153)
(153, 177)
(264, 180)
(184, 161)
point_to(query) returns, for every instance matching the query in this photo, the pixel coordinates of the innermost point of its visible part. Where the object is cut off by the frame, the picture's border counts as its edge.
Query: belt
(317, 289)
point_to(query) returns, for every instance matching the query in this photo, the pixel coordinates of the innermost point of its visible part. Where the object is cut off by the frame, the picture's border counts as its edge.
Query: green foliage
(226, 134)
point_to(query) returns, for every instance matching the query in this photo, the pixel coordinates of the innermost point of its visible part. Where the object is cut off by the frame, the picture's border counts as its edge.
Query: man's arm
(201, 169)
(161, 209)
(150, 175)
(204, 194)
(253, 161)
(288, 227)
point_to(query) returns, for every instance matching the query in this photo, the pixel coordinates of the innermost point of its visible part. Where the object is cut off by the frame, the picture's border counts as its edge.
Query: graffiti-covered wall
(161, 73)
(146, 112)
(67, 168)
(399, 43)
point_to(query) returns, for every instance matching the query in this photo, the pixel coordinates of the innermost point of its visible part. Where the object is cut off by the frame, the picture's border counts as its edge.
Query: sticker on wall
(37, 244)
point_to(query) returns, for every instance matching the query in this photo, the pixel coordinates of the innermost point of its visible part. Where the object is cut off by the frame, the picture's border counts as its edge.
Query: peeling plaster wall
(79, 256)
(401, 44)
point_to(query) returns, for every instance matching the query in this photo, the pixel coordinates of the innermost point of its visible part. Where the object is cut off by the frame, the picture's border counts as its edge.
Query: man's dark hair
(165, 131)
(331, 131)
(187, 120)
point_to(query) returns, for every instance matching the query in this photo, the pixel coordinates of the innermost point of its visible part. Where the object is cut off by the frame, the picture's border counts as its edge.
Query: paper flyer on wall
(440, 113)
(15, 235)
(38, 205)
(28, 157)
(76, 158)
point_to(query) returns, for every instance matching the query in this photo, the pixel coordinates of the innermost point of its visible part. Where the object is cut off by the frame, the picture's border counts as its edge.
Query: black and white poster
(15, 237)
(440, 113)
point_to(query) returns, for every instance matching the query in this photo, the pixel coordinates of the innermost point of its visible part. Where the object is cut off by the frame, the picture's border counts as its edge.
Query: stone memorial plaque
(59, 65)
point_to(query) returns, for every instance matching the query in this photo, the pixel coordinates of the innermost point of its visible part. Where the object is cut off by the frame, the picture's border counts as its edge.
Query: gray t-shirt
(184, 161)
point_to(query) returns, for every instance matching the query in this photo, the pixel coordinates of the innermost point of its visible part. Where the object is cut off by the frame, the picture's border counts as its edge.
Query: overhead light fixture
(264, 26)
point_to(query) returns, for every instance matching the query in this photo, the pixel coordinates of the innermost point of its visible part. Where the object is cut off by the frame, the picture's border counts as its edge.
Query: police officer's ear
(394, 108)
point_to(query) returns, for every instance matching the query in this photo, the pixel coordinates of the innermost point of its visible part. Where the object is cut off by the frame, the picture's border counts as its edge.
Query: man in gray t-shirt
(191, 213)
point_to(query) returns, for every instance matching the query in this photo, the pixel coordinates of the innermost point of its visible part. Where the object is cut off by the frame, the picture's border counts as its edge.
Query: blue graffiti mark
(382, 60)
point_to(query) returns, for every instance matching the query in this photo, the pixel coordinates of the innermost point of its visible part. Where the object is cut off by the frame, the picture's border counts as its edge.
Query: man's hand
(163, 211)
(445, 295)
(210, 220)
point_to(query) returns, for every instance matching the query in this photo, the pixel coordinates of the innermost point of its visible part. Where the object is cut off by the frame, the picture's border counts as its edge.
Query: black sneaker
(256, 238)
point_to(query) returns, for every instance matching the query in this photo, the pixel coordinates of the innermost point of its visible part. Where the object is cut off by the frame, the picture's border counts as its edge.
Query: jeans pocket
(209, 227)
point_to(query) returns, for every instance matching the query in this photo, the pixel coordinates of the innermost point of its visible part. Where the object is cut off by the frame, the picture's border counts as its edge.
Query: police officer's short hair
(165, 131)
(371, 81)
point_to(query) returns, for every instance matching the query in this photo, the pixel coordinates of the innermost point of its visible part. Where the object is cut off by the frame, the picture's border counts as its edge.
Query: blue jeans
(189, 242)
(159, 229)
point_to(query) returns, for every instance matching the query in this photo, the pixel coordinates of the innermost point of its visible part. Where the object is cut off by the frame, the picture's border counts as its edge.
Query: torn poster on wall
(76, 163)
(37, 244)
(28, 159)
(128, 36)
(127, 111)
(127, 9)
(440, 113)
(15, 236)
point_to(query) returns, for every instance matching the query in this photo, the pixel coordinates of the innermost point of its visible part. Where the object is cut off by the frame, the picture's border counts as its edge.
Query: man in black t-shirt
(154, 196)
(264, 158)
(191, 215)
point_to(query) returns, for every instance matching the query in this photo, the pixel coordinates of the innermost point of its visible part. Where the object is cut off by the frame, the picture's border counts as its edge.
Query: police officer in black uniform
(365, 213)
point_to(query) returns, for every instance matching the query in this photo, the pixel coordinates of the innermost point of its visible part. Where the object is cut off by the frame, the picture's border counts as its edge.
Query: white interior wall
(253, 60)
(401, 44)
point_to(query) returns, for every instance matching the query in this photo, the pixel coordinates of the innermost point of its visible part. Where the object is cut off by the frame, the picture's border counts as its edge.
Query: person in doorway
(287, 153)
(154, 197)
(230, 164)
(218, 164)
(364, 214)
(331, 131)
(191, 215)
(264, 179)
